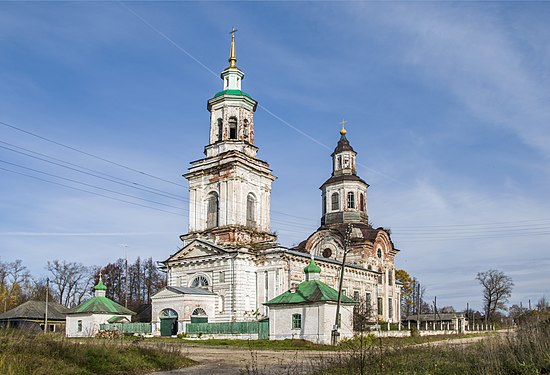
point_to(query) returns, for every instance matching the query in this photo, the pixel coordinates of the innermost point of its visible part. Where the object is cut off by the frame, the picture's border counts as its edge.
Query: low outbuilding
(31, 316)
(84, 320)
(309, 311)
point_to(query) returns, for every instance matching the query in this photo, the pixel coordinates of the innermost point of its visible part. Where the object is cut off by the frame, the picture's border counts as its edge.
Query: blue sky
(446, 103)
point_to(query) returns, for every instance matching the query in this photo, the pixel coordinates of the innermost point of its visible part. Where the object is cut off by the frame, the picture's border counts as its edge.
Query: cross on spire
(343, 130)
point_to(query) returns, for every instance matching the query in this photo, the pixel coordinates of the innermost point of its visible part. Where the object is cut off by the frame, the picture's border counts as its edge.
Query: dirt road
(229, 361)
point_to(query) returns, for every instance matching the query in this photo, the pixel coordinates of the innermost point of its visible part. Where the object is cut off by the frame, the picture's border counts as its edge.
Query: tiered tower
(344, 193)
(229, 190)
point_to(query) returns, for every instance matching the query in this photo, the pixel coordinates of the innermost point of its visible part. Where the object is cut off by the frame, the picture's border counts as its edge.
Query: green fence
(127, 327)
(230, 328)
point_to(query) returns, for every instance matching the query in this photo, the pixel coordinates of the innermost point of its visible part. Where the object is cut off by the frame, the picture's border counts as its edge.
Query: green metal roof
(100, 305)
(232, 92)
(309, 292)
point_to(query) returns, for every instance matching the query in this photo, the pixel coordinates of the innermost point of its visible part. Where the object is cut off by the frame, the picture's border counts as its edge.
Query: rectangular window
(296, 321)
(343, 292)
(390, 308)
(222, 277)
(380, 306)
(351, 200)
(356, 295)
(79, 326)
(369, 300)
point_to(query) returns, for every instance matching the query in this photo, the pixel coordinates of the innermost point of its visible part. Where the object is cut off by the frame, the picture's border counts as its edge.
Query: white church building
(230, 263)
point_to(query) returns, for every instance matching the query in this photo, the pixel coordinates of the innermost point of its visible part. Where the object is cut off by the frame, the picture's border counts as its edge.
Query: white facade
(87, 325)
(317, 321)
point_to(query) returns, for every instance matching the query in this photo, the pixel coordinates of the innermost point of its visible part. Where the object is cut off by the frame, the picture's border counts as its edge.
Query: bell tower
(344, 194)
(230, 189)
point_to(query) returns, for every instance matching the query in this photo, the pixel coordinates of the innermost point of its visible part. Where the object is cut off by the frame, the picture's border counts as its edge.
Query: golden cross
(233, 31)
(343, 122)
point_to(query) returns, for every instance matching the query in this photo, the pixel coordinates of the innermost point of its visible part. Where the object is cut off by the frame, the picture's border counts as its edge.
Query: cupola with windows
(344, 194)
(231, 113)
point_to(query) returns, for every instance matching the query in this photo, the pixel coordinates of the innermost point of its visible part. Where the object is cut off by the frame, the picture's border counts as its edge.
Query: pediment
(197, 249)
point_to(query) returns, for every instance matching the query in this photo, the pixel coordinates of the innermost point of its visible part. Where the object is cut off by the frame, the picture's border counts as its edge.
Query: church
(230, 263)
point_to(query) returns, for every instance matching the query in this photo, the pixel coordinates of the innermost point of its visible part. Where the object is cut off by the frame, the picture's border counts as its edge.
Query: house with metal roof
(31, 316)
(84, 320)
(309, 311)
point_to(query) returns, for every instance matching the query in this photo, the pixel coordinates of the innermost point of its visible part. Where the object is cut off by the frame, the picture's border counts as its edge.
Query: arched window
(335, 201)
(168, 313)
(351, 199)
(199, 316)
(213, 210)
(199, 311)
(250, 210)
(232, 128)
(362, 201)
(199, 282)
(220, 129)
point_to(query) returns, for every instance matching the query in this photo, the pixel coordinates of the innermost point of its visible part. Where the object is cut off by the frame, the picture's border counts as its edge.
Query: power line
(90, 192)
(85, 168)
(89, 185)
(88, 154)
(131, 185)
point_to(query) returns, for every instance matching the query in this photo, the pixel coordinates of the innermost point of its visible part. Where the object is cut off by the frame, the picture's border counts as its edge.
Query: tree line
(70, 283)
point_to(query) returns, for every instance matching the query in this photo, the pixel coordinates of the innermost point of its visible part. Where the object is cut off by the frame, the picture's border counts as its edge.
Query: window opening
(351, 200)
(220, 129)
(233, 128)
(335, 202)
(250, 211)
(212, 211)
(199, 282)
(296, 321)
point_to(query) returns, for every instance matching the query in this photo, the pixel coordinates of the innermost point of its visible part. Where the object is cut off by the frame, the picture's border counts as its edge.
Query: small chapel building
(309, 311)
(85, 319)
(230, 263)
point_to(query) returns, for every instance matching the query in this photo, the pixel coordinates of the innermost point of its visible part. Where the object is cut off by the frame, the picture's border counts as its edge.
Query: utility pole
(335, 333)
(125, 274)
(46, 312)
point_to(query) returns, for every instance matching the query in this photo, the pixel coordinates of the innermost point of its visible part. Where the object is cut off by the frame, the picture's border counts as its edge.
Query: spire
(343, 143)
(232, 54)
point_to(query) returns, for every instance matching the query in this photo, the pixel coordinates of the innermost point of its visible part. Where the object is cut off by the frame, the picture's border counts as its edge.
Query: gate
(168, 326)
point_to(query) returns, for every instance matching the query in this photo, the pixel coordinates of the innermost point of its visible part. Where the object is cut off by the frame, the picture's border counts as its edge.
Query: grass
(524, 352)
(22, 353)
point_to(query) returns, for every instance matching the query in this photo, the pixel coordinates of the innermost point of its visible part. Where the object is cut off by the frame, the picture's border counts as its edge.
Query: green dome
(100, 285)
(312, 267)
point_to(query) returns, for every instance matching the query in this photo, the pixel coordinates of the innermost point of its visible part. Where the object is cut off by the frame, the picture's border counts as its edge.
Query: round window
(327, 253)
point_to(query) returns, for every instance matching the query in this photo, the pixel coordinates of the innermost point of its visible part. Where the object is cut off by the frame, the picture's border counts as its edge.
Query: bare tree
(71, 281)
(497, 288)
